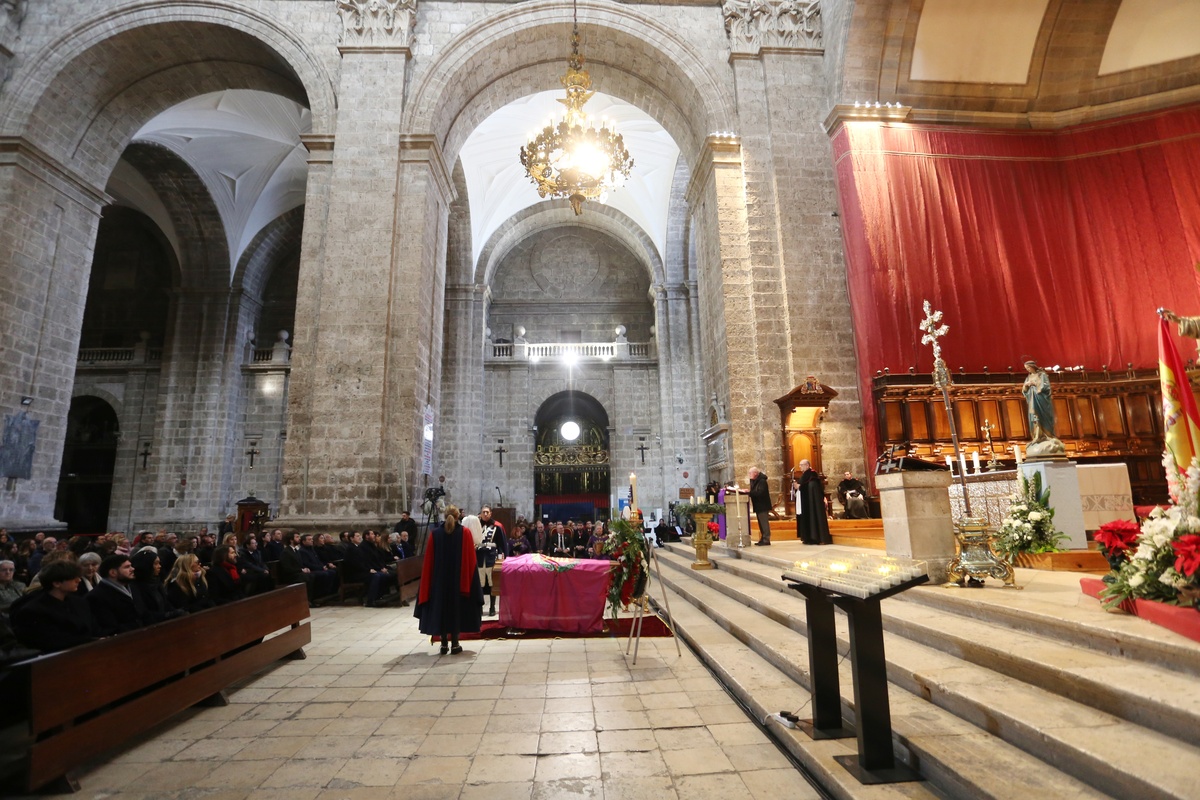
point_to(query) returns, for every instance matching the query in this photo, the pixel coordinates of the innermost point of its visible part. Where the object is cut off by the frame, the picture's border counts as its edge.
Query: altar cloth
(557, 594)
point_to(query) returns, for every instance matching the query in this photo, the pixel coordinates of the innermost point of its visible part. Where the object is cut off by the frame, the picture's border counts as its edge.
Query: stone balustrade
(562, 351)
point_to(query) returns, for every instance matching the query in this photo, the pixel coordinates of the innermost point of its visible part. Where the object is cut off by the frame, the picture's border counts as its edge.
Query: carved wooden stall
(800, 412)
(1103, 417)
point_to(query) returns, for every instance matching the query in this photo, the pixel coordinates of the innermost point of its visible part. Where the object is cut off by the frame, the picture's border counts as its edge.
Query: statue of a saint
(1040, 407)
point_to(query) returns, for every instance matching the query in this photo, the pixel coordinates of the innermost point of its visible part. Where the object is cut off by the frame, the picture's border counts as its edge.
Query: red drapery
(1056, 246)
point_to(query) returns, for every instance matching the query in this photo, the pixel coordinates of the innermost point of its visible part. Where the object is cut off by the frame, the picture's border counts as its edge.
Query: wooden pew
(408, 577)
(73, 709)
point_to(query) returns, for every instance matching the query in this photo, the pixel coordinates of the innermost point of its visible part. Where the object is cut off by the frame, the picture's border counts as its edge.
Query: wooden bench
(345, 586)
(73, 706)
(408, 577)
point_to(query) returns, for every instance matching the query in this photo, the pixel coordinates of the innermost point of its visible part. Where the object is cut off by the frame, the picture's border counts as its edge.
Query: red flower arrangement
(713, 528)
(1118, 537)
(1187, 554)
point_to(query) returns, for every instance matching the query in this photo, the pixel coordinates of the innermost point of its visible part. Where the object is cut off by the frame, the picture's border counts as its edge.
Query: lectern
(855, 583)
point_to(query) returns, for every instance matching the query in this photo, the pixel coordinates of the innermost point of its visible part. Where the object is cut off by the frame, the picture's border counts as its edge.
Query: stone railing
(570, 351)
(108, 357)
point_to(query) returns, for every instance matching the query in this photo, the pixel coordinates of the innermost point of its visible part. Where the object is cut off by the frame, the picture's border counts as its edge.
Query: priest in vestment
(812, 526)
(450, 600)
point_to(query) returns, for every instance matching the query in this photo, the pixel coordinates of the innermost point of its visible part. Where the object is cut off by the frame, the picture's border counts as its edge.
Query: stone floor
(374, 712)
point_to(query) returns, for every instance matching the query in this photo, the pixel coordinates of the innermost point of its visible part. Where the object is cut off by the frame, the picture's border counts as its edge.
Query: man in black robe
(812, 526)
(853, 496)
(760, 502)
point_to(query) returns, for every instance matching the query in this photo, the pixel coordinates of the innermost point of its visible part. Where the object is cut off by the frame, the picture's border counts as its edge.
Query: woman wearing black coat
(186, 587)
(149, 589)
(225, 579)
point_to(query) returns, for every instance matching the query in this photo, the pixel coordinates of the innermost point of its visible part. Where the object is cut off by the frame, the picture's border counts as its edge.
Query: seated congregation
(55, 595)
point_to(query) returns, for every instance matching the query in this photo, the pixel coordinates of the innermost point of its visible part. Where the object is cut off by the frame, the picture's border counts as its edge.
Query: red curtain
(1056, 246)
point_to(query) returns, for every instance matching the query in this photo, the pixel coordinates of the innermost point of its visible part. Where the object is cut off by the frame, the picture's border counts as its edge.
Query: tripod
(635, 629)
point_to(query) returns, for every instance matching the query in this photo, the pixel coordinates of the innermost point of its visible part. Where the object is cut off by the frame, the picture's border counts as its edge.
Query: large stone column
(48, 221)
(363, 307)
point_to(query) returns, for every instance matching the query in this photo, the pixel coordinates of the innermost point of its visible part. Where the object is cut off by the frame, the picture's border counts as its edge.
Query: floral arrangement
(1150, 573)
(626, 544)
(713, 528)
(1029, 526)
(1117, 539)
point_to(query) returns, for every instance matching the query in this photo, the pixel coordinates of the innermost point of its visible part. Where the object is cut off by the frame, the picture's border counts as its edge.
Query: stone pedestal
(1062, 478)
(916, 518)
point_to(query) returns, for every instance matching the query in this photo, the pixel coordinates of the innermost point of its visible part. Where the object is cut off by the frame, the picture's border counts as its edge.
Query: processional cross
(500, 451)
(933, 329)
(252, 452)
(641, 448)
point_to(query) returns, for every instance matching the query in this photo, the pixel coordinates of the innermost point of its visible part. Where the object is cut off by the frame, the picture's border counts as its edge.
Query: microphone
(500, 495)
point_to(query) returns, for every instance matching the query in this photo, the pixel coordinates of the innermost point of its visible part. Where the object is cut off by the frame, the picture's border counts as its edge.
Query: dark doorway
(571, 459)
(89, 455)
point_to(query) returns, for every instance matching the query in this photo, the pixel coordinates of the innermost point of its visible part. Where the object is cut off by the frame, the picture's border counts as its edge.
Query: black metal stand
(826, 722)
(876, 760)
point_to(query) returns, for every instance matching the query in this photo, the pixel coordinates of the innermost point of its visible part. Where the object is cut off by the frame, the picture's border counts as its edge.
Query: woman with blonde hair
(450, 600)
(186, 587)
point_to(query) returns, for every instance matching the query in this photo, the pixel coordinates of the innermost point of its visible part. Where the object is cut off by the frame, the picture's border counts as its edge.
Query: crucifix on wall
(252, 452)
(641, 448)
(500, 451)
(145, 454)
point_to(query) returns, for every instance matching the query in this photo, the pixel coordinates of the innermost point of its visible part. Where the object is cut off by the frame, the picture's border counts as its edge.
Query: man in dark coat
(54, 618)
(450, 600)
(812, 526)
(291, 568)
(114, 606)
(324, 576)
(254, 568)
(760, 502)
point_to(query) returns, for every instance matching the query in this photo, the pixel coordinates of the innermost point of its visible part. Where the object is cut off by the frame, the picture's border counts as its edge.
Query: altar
(555, 594)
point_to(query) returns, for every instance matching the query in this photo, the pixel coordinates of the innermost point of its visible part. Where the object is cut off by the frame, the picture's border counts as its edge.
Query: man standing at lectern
(760, 502)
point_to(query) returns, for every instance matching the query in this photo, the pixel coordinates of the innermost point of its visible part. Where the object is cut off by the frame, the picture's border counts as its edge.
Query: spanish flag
(1181, 420)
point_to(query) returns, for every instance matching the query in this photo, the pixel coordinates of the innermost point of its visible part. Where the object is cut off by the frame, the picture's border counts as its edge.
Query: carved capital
(773, 24)
(377, 23)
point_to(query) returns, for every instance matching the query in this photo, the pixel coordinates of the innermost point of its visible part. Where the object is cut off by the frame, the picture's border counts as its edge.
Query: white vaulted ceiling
(498, 188)
(245, 146)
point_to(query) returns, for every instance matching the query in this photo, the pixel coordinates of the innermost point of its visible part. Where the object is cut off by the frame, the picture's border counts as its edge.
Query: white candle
(962, 460)
(1017, 451)
(975, 462)
(633, 505)
(950, 464)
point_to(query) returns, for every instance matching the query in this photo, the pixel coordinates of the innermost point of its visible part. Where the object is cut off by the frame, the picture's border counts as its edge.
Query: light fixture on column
(571, 158)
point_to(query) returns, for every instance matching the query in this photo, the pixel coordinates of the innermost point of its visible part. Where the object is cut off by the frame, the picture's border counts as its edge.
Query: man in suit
(324, 576)
(291, 568)
(114, 606)
(379, 573)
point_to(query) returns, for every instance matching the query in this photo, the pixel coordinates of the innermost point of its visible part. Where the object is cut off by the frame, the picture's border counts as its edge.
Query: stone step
(1068, 616)
(1101, 749)
(1146, 694)
(760, 668)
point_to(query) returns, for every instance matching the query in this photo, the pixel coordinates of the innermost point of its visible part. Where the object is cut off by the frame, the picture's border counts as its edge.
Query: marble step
(1107, 752)
(1068, 617)
(957, 759)
(1146, 694)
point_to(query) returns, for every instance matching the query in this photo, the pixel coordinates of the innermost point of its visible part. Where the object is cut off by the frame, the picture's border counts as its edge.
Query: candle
(633, 505)
(950, 464)
(975, 462)
(1017, 451)
(962, 460)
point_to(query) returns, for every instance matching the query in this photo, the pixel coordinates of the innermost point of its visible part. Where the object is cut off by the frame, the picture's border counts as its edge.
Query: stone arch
(558, 214)
(74, 100)
(204, 252)
(630, 55)
(118, 406)
(278, 240)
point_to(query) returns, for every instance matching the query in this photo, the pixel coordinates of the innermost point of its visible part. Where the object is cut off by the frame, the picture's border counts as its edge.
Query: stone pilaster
(48, 221)
(356, 315)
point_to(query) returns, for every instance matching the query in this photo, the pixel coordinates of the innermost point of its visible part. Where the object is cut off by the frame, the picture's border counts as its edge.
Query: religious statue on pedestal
(1040, 407)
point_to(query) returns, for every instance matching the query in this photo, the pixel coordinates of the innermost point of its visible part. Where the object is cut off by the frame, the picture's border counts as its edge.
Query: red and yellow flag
(1181, 420)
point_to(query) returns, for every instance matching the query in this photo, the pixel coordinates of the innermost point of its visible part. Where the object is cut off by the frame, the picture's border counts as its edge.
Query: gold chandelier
(572, 159)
